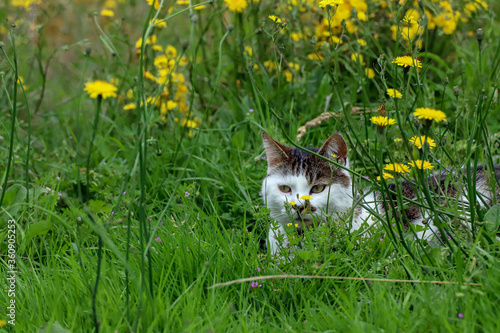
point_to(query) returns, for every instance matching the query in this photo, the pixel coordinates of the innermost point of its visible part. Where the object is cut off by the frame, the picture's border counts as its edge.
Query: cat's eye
(285, 188)
(317, 188)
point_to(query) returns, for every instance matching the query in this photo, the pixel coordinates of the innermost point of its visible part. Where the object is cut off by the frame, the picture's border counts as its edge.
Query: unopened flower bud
(479, 35)
(456, 92)
(416, 122)
(446, 81)
(88, 49)
(230, 27)
(2, 45)
(194, 19)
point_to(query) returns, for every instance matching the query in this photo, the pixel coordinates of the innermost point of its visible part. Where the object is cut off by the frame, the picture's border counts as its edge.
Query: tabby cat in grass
(304, 189)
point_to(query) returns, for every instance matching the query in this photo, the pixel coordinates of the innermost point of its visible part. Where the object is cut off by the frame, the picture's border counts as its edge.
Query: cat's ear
(335, 148)
(275, 151)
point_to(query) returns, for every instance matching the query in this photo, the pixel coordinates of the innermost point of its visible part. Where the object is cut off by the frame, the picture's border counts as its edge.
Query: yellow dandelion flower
(398, 139)
(158, 23)
(431, 114)
(191, 123)
(361, 42)
(397, 168)
(407, 61)
(419, 141)
(324, 3)
(370, 73)
(306, 197)
(419, 164)
(155, 2)
(289, 224)
(382, 121)
(149, 76)
(100, 88)
(110, 4)
(296, 36)
(409, 19)
(275, 18)
(171, 105)
(394, 93)
(236, 5)
(129, 106)
(356, 56)
(292, 203)
(314, 56)
(248, 50)
(25, 3)
(385, 175)
(107, 12)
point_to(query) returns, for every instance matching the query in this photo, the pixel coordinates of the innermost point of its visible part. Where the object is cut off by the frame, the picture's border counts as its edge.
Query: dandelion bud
(194, 19)
(313, 40)
(185, 45)
(456, 92)
(2, 45)
(88, 49)
(446, 81)
(95, 14)
(230, 27)
(479, 35)
(13, 25)
(445, 123)
(416, 122)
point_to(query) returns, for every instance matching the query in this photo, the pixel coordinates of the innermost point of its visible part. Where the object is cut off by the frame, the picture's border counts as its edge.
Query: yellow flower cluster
(166, 76)
(338, 22)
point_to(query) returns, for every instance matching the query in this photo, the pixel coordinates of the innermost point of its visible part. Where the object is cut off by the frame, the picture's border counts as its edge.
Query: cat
(293, 174)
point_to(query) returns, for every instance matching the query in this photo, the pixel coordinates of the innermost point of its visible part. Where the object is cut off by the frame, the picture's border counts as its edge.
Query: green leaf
(492, 219)
(38, 228)
(12, 202)
(308, 255)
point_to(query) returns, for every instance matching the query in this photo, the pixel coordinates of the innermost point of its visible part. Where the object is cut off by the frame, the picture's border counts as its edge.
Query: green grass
(133, 235)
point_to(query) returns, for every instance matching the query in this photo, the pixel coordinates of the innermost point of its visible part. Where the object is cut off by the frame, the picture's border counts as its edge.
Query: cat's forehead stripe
(313, 168)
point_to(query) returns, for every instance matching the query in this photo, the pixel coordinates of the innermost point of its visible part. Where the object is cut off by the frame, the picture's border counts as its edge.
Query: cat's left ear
(335, 148)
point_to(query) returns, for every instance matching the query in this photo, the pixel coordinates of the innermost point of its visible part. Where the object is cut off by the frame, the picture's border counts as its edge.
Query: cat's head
(293, 173)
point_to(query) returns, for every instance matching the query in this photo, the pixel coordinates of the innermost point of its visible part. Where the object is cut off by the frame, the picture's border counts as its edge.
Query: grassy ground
(129, 208)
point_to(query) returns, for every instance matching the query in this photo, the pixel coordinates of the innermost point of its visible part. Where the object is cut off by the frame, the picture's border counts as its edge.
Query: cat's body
(294, 173)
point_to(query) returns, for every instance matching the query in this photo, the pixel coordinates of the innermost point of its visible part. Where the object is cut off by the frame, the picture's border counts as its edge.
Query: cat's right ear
(275, 151)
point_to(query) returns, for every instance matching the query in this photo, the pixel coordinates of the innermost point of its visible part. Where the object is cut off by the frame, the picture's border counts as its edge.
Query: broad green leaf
(492, 219)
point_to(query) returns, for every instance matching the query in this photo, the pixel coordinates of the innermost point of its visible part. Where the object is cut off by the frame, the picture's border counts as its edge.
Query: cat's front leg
(277, 239)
